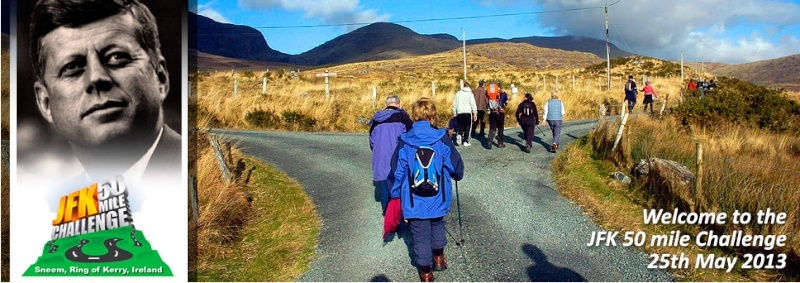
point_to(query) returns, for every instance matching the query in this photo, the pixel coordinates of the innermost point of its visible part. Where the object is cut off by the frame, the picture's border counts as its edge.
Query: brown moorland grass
(297, 100)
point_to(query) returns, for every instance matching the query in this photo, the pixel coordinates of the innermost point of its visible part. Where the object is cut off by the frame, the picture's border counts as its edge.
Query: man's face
(98, 83)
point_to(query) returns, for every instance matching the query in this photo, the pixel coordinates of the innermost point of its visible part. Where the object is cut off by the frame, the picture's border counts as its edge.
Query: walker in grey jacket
(465, 109)
(464, 102)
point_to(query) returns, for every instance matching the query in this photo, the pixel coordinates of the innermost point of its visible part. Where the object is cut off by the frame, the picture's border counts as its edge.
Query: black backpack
(528, 109)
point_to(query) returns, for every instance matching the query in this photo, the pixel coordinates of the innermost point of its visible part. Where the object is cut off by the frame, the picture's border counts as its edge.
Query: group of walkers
(631, 91)
(701, 86)
(414, 162)
(470, 106)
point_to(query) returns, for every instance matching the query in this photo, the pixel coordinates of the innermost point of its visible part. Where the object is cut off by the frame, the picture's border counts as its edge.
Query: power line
(429, 19)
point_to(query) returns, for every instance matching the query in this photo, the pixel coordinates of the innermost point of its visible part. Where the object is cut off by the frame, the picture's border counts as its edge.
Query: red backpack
(493, 92)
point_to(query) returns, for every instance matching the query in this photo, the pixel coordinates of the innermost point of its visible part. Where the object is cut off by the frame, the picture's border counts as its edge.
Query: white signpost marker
(326, 74)
(514, 91)
(556, 82)
(264, 87)
(374, 96)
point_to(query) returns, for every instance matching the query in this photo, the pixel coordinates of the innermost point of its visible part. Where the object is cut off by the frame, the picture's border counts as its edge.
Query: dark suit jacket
(165, 163)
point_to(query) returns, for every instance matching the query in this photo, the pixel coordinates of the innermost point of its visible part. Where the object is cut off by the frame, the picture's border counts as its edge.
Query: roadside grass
(582, 173)
(265, 230)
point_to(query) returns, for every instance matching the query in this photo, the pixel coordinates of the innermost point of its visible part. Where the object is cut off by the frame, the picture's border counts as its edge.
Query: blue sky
(729, 31)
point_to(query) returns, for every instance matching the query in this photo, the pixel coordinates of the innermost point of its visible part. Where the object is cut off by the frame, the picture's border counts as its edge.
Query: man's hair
(423, 109)
(466, 84)
(49, 15)
(630, 76)
(528, 96)
(392, 99)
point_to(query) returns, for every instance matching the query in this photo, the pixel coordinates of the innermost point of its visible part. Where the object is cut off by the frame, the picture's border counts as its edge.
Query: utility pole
(608, 52)
(464, 42)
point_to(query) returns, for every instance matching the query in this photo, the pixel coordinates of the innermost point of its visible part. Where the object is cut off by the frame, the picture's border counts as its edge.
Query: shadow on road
(536, 140)
(403, 233)
(380, 278)
(542, 270)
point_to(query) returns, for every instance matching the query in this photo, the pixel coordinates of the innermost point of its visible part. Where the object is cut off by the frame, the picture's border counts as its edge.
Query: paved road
(516, 225)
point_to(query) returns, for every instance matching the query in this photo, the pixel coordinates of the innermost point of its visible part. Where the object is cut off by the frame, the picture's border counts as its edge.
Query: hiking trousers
(464, 121)
(480, 120)
(428, 234)
(496, 123)
(384, 186)
(555, 127)
(528, 130)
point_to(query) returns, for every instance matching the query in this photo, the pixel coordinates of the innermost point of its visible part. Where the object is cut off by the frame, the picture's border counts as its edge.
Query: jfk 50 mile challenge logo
(93, 235)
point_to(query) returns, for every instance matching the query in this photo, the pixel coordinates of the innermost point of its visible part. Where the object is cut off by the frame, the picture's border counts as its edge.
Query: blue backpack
(423, 179)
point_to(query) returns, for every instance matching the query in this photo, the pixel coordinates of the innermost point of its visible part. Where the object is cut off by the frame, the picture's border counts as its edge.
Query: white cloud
(207, 11)
(326, 11)
(662, 29)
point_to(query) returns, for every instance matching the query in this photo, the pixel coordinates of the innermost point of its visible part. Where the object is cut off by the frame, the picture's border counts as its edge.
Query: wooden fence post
(235, 87)
(544, 83)
(193, 198)
(602, 113)
(698, 185)
(599, 86)
(264, 87)
(226, 173)
(6, 156)
(619, 133)
(664, 106)
(433, 89)
(556, 82)
(374, 96)
(624, 109)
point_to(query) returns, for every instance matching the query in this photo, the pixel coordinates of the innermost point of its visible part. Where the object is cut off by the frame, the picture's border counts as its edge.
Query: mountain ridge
(779, 72)
(376, 41)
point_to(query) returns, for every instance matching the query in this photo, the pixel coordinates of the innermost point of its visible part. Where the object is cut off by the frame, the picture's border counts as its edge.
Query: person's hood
(385, 114)
(422, 134)
(466, 88)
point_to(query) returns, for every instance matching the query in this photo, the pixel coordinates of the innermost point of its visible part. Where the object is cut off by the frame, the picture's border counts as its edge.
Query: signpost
(514, 91)
(327, 88)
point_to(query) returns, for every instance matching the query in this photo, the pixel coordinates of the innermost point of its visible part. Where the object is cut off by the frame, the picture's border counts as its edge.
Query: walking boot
(500, 143)
(527, 149)
(439, 263)
(426, 277)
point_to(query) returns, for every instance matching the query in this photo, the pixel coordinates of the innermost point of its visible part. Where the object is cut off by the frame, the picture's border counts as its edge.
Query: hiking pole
(540, 130)
(458, 244)
(458, 206)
